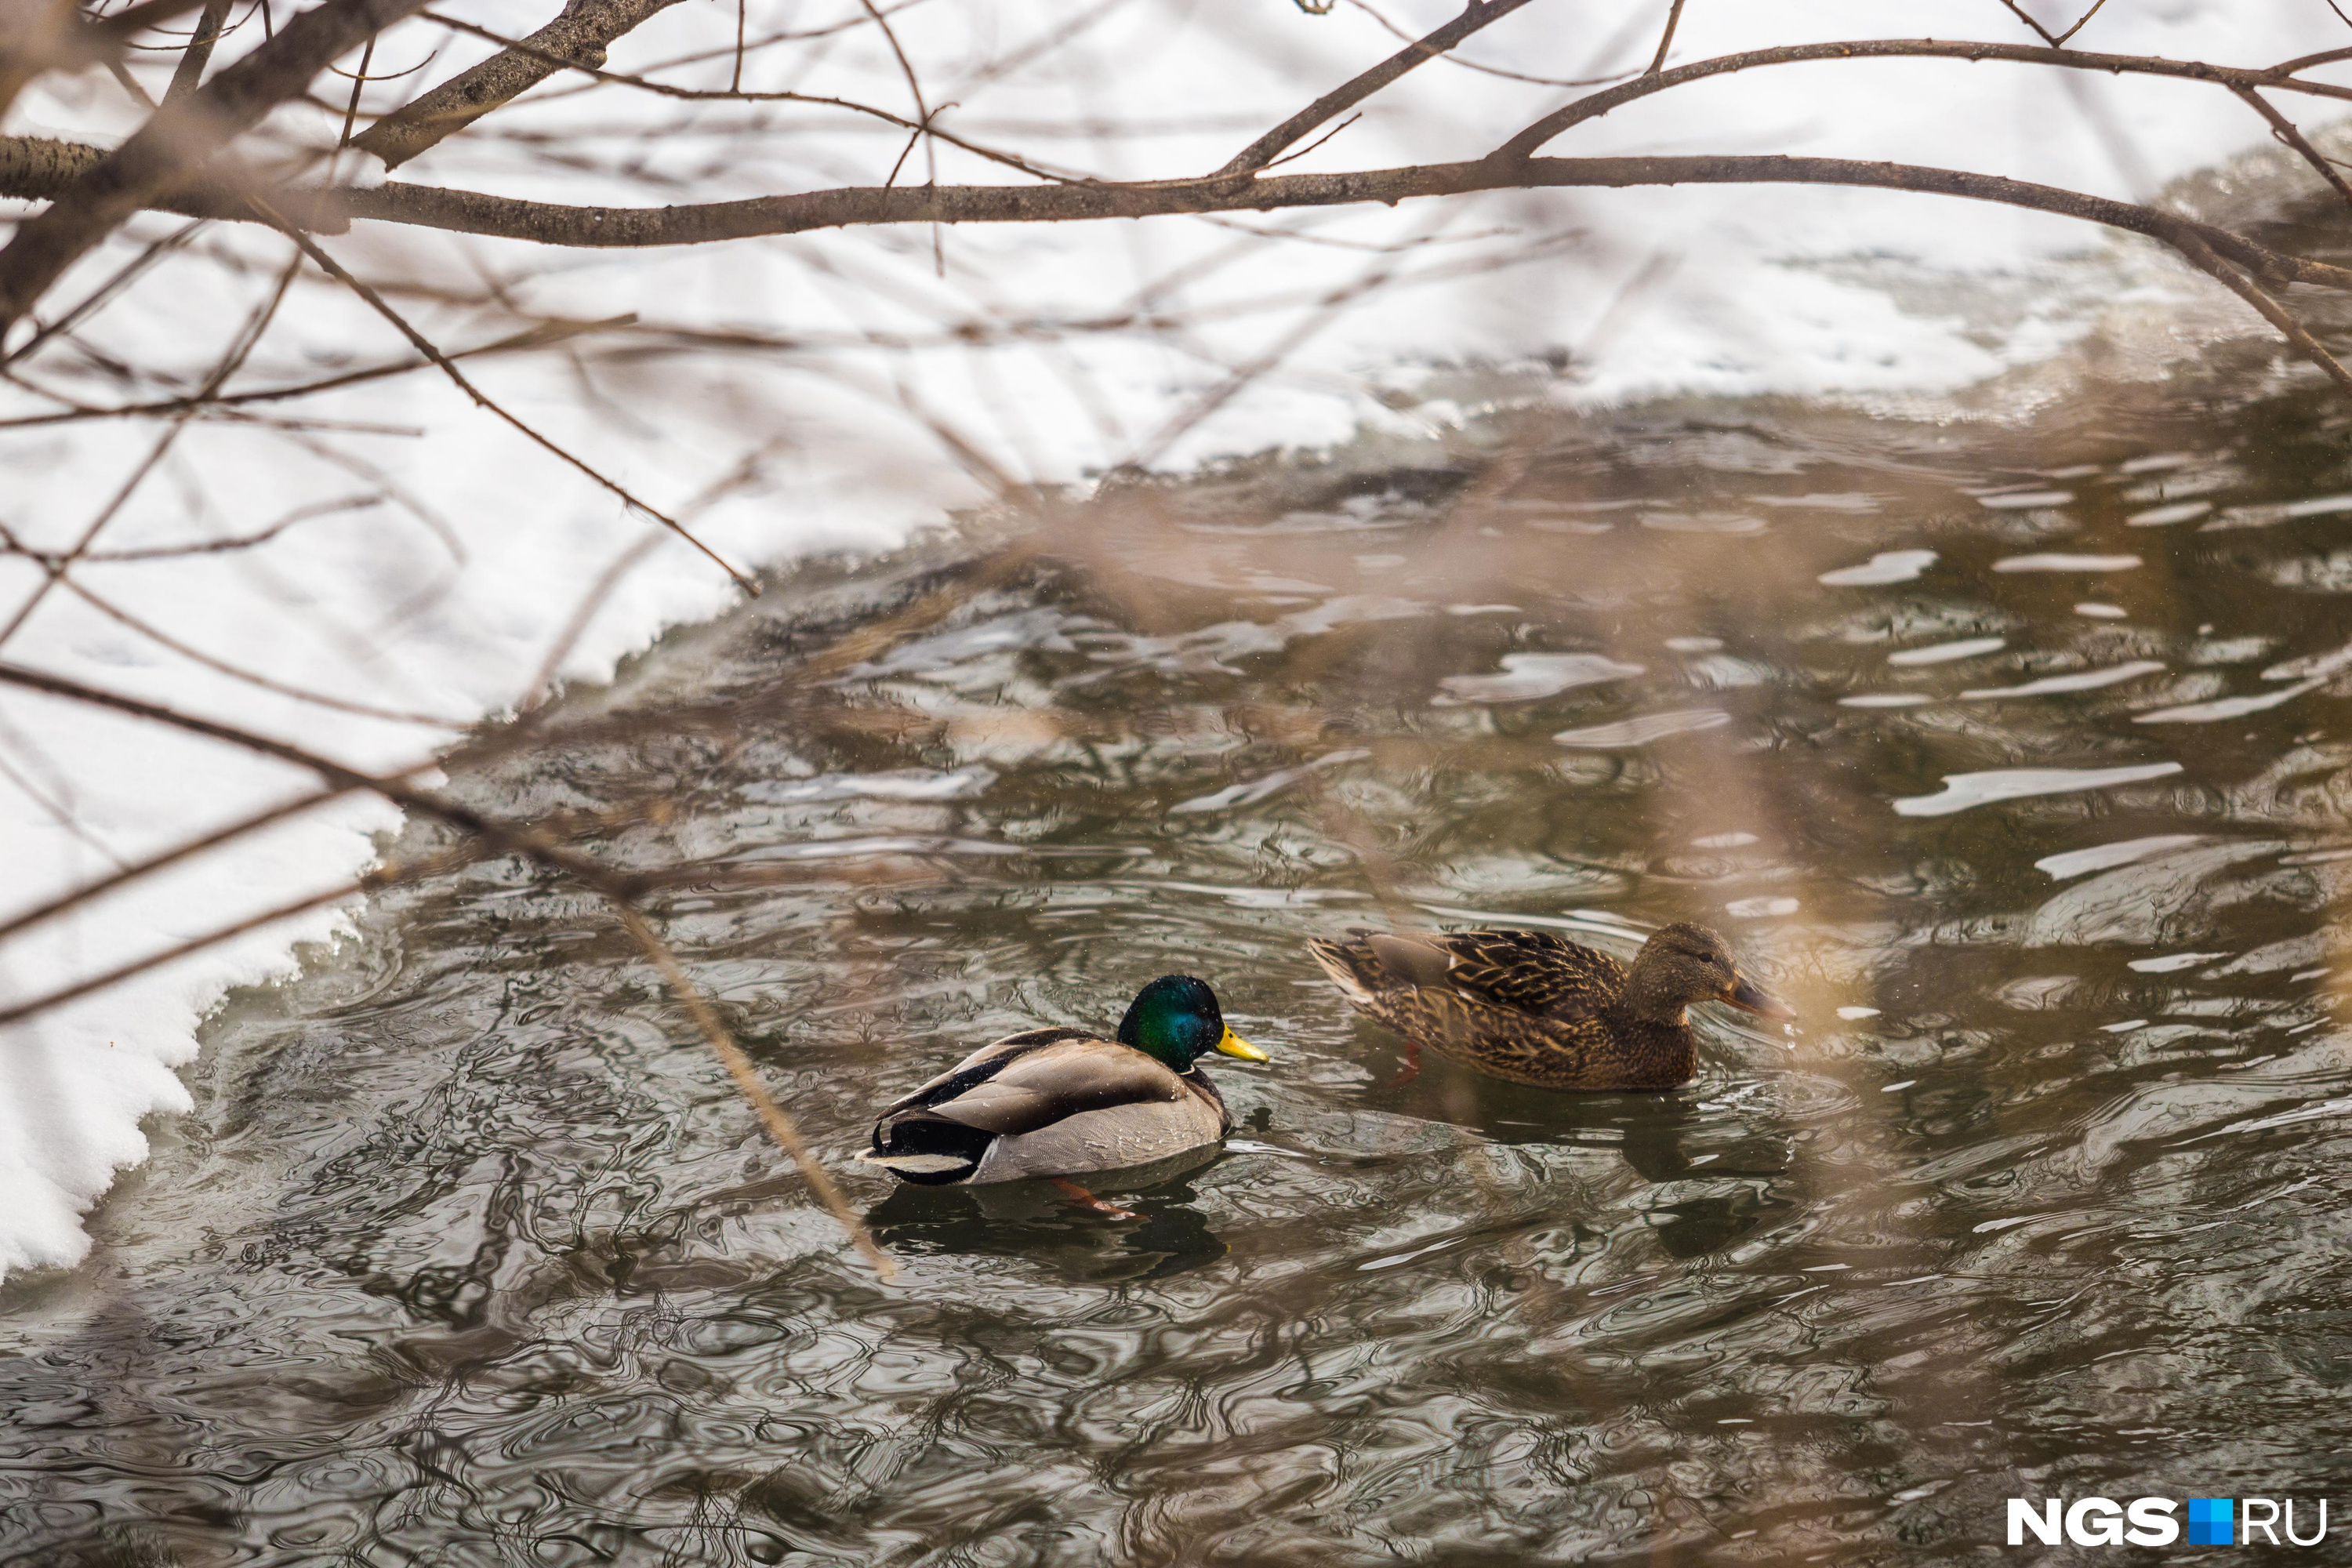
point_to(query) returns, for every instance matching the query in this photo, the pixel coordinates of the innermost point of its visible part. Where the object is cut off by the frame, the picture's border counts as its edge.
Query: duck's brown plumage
(1537, 1008)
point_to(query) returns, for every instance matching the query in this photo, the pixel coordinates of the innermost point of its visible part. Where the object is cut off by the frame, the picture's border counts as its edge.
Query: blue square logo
(2210, 1522)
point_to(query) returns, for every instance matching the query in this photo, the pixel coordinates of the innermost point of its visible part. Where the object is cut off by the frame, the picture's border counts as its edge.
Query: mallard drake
(1537, 1008)
(1063, 1102)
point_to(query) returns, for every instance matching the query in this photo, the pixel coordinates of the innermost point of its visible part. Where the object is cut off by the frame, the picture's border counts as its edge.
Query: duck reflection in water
(1036, 1220)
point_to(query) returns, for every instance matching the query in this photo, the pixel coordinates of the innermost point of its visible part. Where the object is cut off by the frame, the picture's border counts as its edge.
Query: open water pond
(2017, 757)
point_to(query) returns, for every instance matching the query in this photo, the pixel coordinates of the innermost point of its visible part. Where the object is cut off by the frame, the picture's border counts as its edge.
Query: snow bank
(442, 594)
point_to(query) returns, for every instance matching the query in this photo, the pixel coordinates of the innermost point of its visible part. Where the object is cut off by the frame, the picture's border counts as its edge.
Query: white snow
(443, 595)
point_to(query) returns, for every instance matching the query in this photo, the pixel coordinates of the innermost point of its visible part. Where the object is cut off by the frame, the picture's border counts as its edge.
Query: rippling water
(2017, 758)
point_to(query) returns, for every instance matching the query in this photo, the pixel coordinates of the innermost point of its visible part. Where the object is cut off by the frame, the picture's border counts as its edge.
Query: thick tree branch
(471, 211)
(180, 138)
(1339, 100)
(548, 223)
(580, 35)
(39, 169)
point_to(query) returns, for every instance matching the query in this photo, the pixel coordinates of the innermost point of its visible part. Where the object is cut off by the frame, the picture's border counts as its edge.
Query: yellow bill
(1233, 1045)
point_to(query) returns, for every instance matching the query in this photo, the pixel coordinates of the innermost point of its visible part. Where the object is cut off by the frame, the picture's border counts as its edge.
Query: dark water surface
(470, 1254)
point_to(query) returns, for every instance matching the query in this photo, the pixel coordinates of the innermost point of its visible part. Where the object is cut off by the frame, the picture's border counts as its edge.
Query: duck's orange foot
(1411, 1068)
(1084, 1199)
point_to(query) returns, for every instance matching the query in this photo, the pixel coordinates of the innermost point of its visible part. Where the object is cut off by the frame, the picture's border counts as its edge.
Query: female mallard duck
(1062, 1102)
(1537, 1008)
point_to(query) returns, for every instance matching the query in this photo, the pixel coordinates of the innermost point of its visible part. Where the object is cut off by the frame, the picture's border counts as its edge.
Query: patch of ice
(1886, 566)
(2081, 681)
(1945, 653)
(1962, 791)
(2059, 562)
(1528, 676)
(1640, 731)
(2100, 857)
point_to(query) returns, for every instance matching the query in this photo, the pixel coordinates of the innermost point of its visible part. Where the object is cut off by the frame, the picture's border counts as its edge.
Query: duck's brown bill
(1746, 994)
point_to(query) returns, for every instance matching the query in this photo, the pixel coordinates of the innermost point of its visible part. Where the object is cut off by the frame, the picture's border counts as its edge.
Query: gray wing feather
(1029, 1082)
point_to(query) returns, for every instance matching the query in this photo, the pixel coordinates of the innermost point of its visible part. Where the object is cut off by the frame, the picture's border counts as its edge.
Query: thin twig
(2026, 17)
(2285, 131)
(188, 74)
(1666, 39)
(2080, 23)
(383, 877)
(543, 335)
(239, 349)
(426, 346)
(747, 1079)
(1339, 100)
(186, 849)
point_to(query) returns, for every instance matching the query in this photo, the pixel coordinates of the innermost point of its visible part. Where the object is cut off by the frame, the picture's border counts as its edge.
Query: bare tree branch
(426, 346)
(188, 74)
(2081, 22)
(469, 212)
(502, 837)
(1339, 100)
(2251, 292)
(489, 836)
(2284, 130)
(187, 850)
(747, 1080)
(381, 877)
(580, 34)
(1595, 105)
(1666, 39)
(178, 139)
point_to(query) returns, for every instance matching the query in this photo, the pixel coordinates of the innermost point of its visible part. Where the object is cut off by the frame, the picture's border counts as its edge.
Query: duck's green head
(1176, 1019)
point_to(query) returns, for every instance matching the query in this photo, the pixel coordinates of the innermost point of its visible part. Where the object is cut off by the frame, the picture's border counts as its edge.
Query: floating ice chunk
(1528, 676)
(2100, 857)
(2227, 707)
(1885, 699)
(2264, 516)
(1886, 566)
(2102, 612)
(1640, 731)
(1850, 1014)
(898, 783)
(2172, 961)
(2057, 562)
(1724, 841)
(2311, 664)
(1694, 645)
(2018, 500)
(2165, 516)
(1962, 791)
(2157, 462)
(1945, 652)
(2081, 681)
